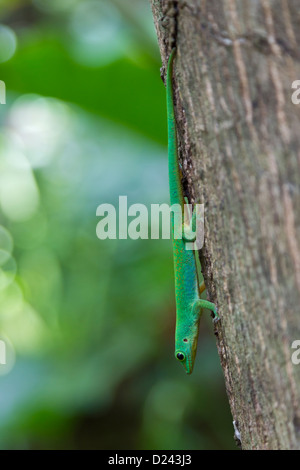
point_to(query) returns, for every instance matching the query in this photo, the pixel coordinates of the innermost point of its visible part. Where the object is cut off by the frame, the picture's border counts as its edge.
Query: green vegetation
(90, 323)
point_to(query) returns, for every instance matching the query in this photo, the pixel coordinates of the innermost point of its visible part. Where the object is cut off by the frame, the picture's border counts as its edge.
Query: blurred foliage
(89, 324)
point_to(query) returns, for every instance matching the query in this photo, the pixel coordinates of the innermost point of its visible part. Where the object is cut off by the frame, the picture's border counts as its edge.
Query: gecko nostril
(185, 340)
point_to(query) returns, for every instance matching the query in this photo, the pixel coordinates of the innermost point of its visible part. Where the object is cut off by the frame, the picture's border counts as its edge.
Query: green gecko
(189, 305)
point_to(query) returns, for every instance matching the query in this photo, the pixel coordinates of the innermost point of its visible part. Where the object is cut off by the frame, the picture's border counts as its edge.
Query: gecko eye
(180, 356)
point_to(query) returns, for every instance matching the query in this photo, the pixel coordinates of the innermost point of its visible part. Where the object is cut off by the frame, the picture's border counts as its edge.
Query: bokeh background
(89, 324)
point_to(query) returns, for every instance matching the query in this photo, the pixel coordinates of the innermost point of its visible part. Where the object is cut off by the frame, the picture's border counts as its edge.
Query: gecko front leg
(201, 303)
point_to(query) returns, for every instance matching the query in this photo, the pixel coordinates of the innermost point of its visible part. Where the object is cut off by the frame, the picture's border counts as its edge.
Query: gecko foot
(216, 316)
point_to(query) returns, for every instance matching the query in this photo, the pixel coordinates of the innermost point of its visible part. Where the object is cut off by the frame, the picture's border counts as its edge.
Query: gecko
(188, 291)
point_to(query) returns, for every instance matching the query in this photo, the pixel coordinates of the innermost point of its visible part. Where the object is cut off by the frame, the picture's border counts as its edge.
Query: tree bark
(239, 136)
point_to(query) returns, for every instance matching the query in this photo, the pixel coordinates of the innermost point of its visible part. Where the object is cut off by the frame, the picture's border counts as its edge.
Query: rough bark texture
(239, 135)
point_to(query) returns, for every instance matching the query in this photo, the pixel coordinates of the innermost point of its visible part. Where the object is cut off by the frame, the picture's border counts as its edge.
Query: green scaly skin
(189, 305)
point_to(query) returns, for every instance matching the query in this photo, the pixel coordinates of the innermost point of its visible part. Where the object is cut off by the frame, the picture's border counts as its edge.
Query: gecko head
(186, 339)
(185, 352)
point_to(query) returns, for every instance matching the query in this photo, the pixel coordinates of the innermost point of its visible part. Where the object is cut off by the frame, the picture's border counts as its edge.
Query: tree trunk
(239, 136)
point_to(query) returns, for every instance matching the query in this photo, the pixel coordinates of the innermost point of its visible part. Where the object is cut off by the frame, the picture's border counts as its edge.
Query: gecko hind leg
(188, 235)
(189, 225)
(202, 288)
